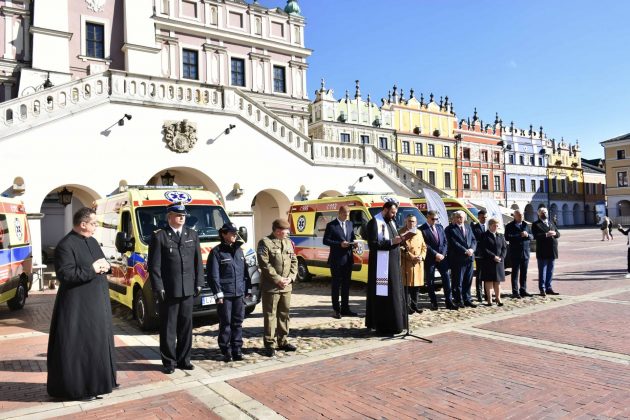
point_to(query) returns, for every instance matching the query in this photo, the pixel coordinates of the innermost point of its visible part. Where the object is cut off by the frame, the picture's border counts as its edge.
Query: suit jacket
(333, 237)
(519, 245)
(546, 247)
(479, 230)
(434, 247)
(493, 246)
(175, 265)
(458, 244)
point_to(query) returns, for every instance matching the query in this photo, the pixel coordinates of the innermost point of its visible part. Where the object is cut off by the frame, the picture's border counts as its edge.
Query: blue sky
(557, 63)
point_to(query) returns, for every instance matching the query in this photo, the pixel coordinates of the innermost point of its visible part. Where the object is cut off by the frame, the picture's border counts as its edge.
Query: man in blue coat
(519, 236)
(461, 255)
(340, 237)
(436, 259)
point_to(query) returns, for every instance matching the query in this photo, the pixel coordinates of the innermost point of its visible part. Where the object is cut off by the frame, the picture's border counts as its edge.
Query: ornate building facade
(566, 179)
(594, 188)
(617, 157)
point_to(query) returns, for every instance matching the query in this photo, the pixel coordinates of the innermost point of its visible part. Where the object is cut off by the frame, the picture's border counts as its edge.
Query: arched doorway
(623, 208)
(567, 215)
(589, 215)
(529, 213)
(578, 216)
(57, 221)
(182, 176)
(330, 193)
(553, 213)
(267, 206)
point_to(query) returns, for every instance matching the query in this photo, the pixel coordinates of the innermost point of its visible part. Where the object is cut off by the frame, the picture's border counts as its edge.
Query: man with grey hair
(461, 254)
(546, 234)
(518, 234)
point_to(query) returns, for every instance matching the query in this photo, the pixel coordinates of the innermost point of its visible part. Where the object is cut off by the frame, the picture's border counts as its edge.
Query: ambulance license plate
(207, 300)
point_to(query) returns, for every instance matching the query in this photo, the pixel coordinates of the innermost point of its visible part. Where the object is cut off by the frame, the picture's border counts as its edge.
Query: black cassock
(81, 360)
(385, 314)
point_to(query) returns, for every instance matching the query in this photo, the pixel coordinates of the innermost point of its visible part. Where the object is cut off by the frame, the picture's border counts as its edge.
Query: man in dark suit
(546, 234)
(176, 272)
(340, 237)
(518, 234)
(479, 230)
(461, 254)
(435, 239)
(626, 232)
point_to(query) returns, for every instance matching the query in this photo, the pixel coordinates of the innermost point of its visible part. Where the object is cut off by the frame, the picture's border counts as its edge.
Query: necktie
(483, 227)
(343, 226)
(178, 234)
(463, 232)
(435, 234)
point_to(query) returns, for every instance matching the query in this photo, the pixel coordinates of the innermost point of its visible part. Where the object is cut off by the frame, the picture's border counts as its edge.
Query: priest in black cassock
(385, 305)
(81, 360)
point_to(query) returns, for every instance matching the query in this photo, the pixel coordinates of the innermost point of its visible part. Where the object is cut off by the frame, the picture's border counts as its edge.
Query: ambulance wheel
(302, 272)
(18, 301)
(141, 312)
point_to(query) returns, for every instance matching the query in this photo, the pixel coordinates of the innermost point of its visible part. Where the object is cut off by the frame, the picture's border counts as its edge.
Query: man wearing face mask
(546, 234)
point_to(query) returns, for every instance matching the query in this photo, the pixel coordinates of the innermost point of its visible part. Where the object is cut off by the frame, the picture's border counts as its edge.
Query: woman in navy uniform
(229, 280)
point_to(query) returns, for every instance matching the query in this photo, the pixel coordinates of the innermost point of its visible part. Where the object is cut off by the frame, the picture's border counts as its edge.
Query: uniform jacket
(519, 246)
(546, 247)
(228, 275)
(493, 246)
(458, 244)
(333, 237)
(175, 266)
(433, 247)
(412, 271)
(276, 260)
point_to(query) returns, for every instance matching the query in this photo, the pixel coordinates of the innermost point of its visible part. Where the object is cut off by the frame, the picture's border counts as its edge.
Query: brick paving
(169, 406)
(35, 316)
(621, 296)
(457, 376)
(595, 325)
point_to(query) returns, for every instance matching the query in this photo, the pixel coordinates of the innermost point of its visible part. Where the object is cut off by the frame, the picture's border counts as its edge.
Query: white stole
(382, 258)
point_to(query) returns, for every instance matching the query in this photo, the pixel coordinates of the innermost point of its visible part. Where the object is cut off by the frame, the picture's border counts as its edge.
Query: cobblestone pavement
(552, 357)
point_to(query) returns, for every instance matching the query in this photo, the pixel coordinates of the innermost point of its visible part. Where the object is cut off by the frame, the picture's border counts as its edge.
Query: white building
(97, 93)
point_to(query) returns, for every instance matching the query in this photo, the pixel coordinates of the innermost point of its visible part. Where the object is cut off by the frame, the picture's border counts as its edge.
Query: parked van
(308, 221)
(127, 221)
(452, 205)
(16, 254)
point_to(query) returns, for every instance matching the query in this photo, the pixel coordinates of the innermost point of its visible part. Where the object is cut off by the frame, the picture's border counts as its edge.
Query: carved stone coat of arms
(180, 136)
(96, 5)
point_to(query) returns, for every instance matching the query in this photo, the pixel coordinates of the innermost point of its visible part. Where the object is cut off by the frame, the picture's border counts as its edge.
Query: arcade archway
(268, 205)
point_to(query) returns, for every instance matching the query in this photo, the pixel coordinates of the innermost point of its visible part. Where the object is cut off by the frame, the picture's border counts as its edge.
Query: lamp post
(168, 178)
(65, 196)
(505, 148)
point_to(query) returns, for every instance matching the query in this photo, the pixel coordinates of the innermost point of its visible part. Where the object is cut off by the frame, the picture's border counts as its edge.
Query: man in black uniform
(479, 230)
(176, 271)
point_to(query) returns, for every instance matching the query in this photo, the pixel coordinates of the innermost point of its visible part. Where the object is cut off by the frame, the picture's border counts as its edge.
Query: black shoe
(479, 298)
(336, 315)
(551, 292)
(237, 357)
(460, 305)
(525, 294)
(186, 366)
(434, 307)
(499, 303)
(470, 304)
(89, 398)
(487, 304)
(287, 347)
(116, 386)
(411, 311)
(452, 306)
(419, 310)
(516, 296)
(542, 293)
(227, 357)
(168, 369)
(270, 352)
(348, 312)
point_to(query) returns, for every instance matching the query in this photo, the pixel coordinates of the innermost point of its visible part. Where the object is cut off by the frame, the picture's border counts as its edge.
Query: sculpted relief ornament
(96, 5)
(180, 136)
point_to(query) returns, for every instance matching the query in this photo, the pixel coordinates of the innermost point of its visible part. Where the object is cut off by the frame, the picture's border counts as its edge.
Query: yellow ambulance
(452, 205)
(308, 221)
(127, 221)
(16, 254)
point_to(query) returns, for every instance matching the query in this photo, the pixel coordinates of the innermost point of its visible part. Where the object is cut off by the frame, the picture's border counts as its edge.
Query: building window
(190, 69)
(497, 183)
(542, 186)
(238, 72)
(512, 184)
(588, 188)
(430, 150)
(419, 151)
(365, 139)
(279, 79)
(522, 185)
(575, 187)
(432, 178)
(496, 157)
(540, 161)
(405, 147)
(447, 180)
(466, 153)
(382, 143)
(484, 155)
(512, 159)
(466, 181)
(533, 185)
(554, 185)
(344, 137)
(420, 173)
(621, 154)
(447, 151)
(532, 161)
(563, 183)
(94, 40)
(484, 182)
(521, 159)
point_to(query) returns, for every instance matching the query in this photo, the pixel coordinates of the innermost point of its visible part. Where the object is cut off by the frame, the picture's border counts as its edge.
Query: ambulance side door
(119, 279)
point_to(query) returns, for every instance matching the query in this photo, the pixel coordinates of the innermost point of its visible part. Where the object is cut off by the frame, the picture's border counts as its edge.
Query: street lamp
(505, 148)
(368, 175)
(65, 197)
(168, 178)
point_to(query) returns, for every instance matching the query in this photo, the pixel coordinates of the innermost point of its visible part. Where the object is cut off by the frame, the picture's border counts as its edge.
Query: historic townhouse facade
(617, 157)
(566, 179)
(594, 188)
(480, 161)
(424, 137)
(525, 154)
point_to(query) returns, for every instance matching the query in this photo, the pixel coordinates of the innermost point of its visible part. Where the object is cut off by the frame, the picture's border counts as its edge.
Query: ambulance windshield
(206, 220)
(403, 212)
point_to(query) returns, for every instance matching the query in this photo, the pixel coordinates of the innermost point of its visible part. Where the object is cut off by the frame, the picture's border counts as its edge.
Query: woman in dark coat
(81, 360)
(492, 262)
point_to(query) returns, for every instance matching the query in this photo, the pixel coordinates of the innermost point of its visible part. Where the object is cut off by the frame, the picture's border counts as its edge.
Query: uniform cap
(228, 227)
(177, 208)
(280, 224)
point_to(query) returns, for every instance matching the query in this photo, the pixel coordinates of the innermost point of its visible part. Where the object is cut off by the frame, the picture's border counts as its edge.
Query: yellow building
(566, 183)
(617, 155)
(425, 137)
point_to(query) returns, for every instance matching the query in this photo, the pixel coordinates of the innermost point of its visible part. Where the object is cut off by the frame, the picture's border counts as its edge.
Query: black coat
(519, 245)
(81, 358)
(493, 246)
(546, 247)
(175, 266)
(227, 271)
(333, 237)
(479, 231)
